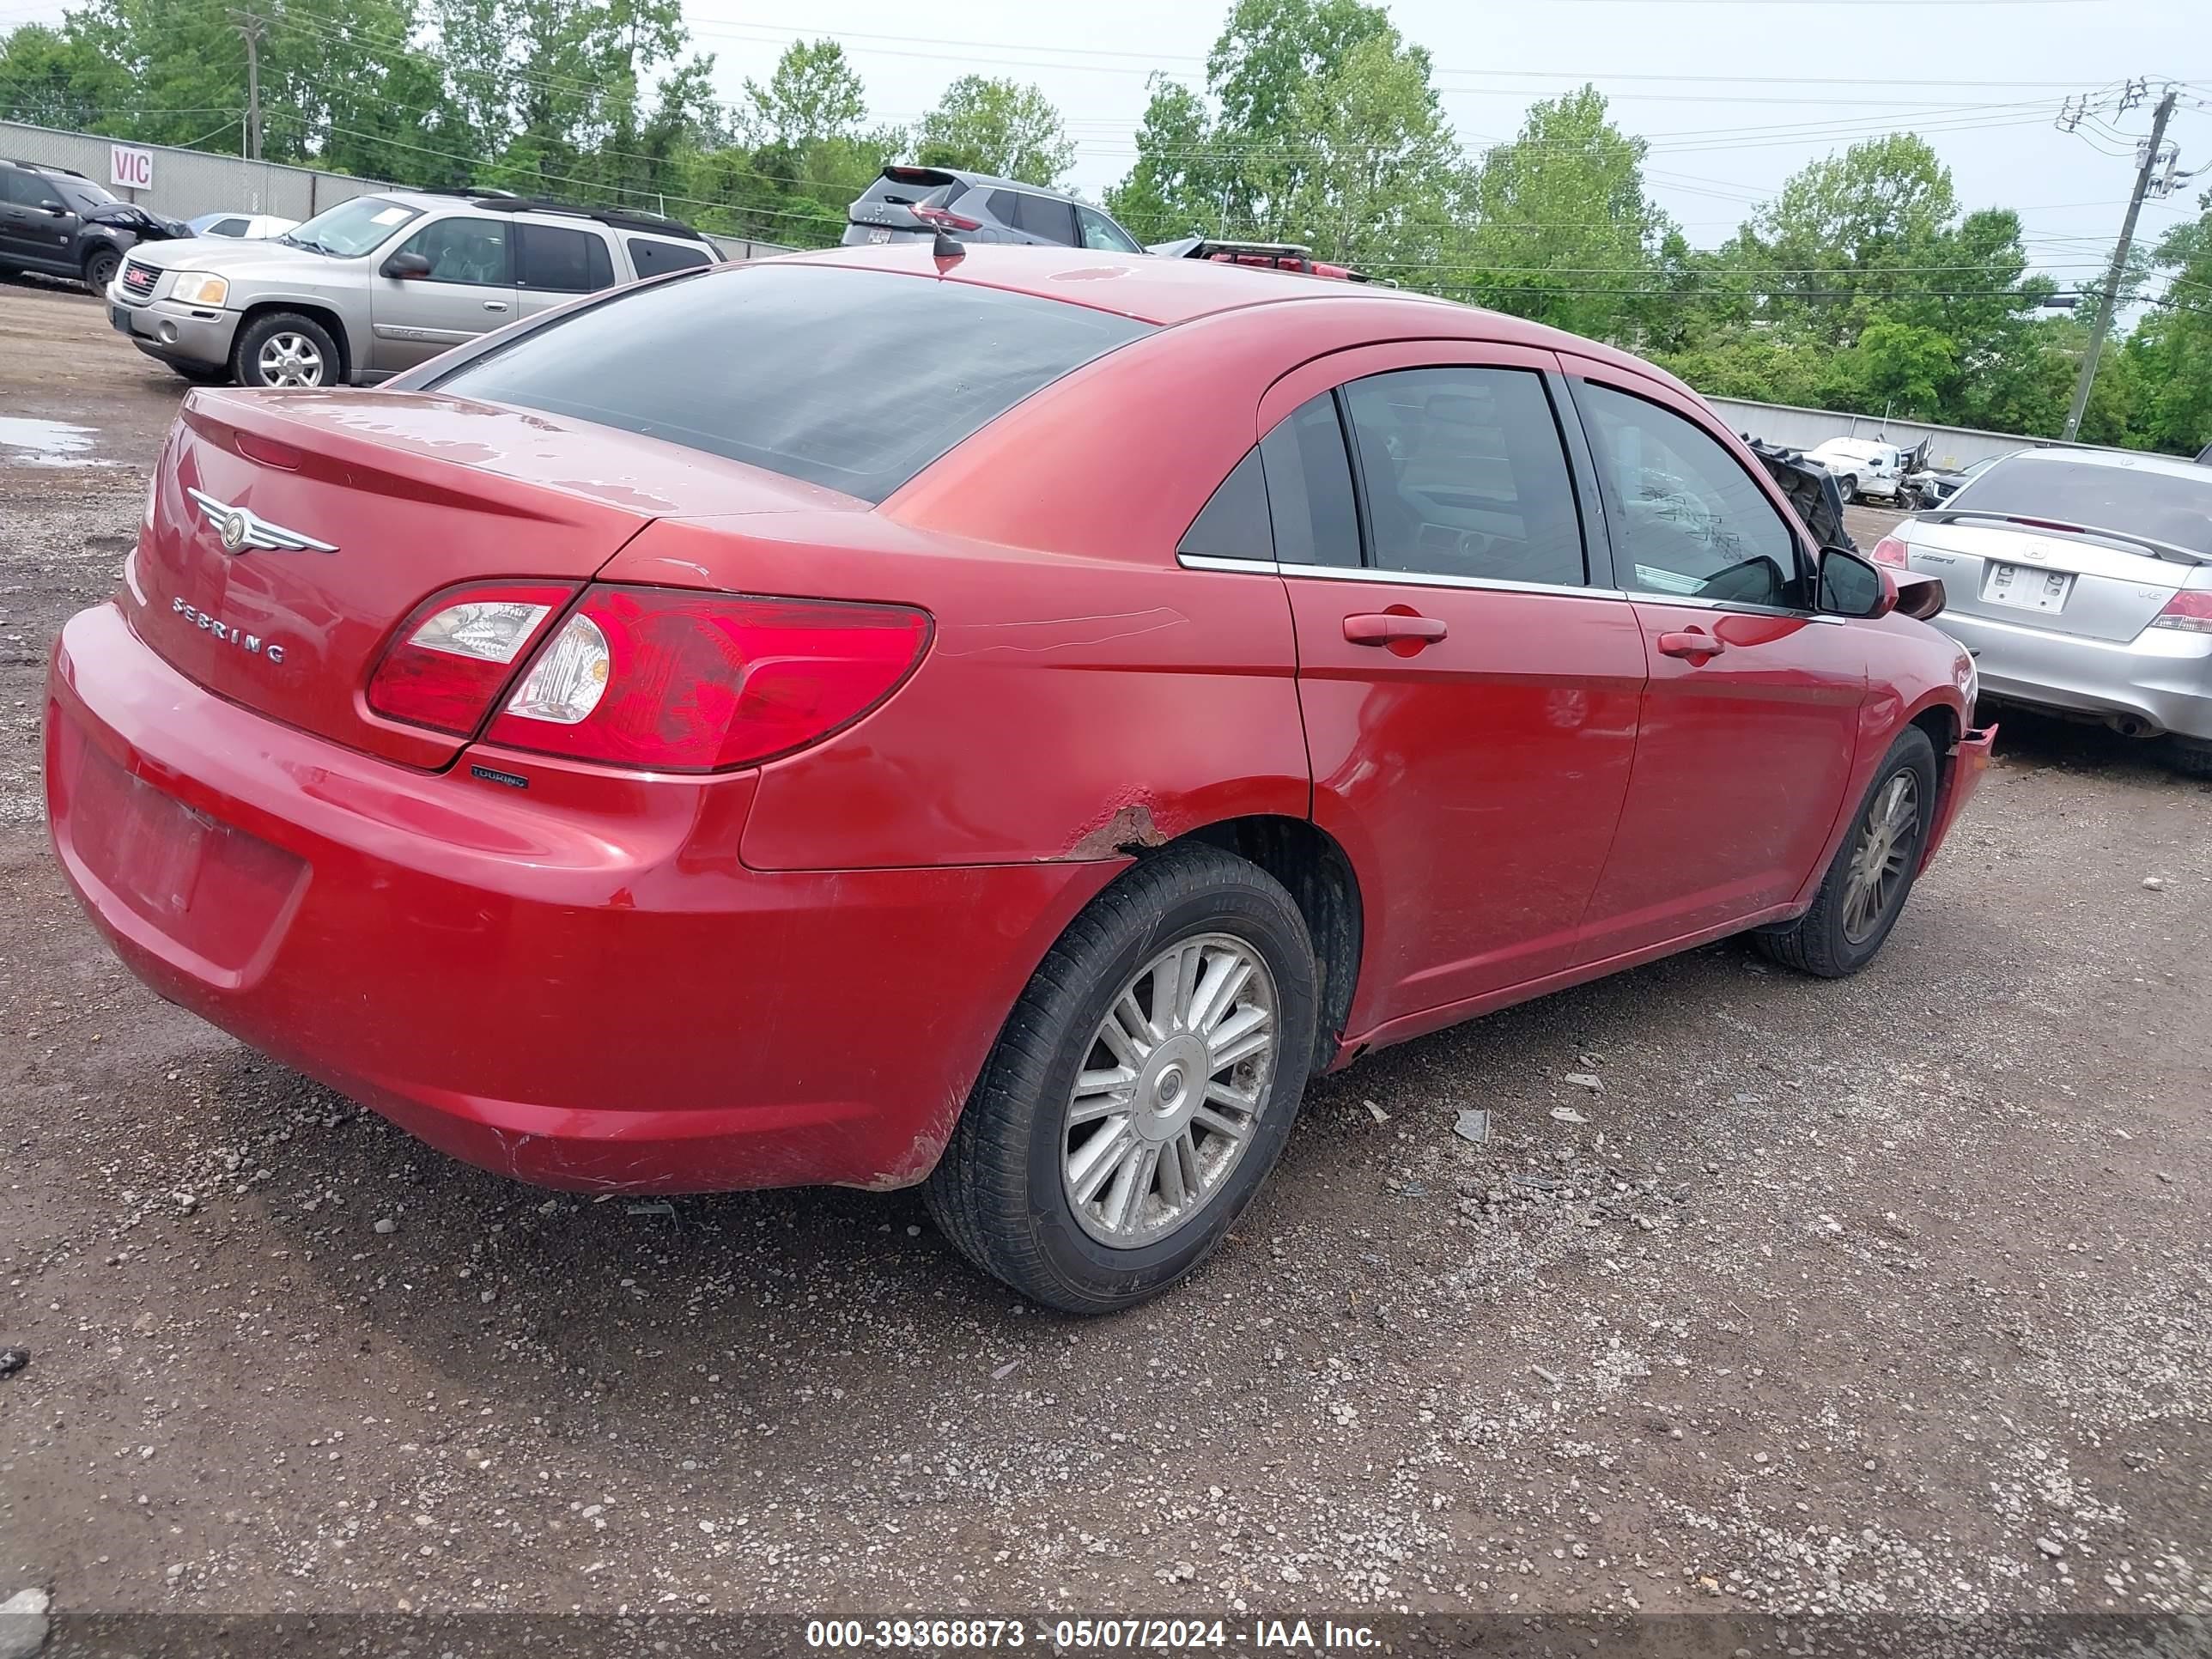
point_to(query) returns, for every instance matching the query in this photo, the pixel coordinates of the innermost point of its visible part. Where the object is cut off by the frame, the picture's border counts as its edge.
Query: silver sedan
(2081, 580)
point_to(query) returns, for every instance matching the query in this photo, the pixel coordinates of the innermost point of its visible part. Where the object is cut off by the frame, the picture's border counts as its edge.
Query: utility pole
(252, 26)
(2113, 278)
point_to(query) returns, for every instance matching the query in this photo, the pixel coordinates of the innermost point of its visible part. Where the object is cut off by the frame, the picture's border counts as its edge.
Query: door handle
(1389, 626)
(495, 304)
(1694, 643)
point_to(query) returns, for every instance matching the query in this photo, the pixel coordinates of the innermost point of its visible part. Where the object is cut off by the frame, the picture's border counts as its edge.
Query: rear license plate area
(2027, 587)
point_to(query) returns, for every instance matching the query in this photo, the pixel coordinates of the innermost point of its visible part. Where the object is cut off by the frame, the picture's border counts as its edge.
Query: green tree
(56, 77)
(815, 95)
(1175, 187)
(1002, 127)
(1562, 231)
(1328, 132)
(2170, 354)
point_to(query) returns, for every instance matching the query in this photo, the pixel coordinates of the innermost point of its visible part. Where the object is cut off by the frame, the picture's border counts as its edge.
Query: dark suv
(910, 203)
(61, 224)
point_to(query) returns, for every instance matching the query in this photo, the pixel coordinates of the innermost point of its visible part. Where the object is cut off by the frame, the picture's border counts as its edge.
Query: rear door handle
(1387, 626)
(1694, 643)
(495, 304)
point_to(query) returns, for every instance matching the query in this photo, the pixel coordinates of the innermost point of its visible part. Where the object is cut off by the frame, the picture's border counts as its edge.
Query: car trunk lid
(290, 533)
(2056, 580)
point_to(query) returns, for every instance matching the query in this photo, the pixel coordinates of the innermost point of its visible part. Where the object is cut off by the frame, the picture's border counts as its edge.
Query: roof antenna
(947, 250)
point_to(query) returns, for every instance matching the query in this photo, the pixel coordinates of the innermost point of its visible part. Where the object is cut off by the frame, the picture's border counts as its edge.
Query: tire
(2191, 756)
(99, 268)
(282, 348)
(1838, 936)
(1850, 488)
(1006, 1192)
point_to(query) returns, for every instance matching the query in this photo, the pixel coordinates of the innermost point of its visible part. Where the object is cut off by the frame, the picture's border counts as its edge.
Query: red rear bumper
(1970, 758)
(579, 985)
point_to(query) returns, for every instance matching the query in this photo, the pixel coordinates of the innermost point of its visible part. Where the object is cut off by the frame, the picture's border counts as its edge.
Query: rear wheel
(1142, 1089)
(284, 348)
(1865, 889)
(99, 269)
(2191, 756)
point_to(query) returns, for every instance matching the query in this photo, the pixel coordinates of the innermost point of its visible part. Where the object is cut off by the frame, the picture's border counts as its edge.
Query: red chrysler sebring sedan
(1001, 723)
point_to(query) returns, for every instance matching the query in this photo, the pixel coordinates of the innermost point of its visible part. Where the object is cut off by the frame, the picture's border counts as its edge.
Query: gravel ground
(1886, 1296)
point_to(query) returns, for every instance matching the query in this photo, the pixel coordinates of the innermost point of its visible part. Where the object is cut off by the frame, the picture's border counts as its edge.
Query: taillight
(2190, 611)
(943, 218)
(1891, 550)
(450, 657)
(673, 680)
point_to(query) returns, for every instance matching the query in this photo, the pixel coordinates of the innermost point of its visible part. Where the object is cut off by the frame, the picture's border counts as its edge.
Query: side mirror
(1850, 586)
(1919, 597)
(405, 265)
(55, 210)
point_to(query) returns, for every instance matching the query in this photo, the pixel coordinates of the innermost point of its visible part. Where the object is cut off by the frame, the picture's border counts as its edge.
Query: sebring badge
(227, 634)
(242, 532)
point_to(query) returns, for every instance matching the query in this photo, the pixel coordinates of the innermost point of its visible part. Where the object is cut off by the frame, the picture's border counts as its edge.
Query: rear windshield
(852, 379)
(2135, 500)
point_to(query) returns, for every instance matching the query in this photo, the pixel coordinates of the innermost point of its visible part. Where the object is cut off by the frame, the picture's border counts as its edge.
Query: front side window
(806, 370)
(471, 251)
(1465, 475)
(29, 190)
(1309, 495)
(1686, 519)
(1100, 231)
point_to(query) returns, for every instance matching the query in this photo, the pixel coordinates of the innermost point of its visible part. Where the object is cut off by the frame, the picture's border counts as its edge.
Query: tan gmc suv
(379, 283)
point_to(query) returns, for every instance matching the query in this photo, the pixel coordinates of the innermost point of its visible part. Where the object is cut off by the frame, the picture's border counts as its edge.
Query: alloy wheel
(1170, 1091)
(1889, 835)
(290, 359)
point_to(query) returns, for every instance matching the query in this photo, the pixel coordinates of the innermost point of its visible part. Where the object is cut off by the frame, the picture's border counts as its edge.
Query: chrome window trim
(1741, 607)
(1338, 573)
(1212, 562)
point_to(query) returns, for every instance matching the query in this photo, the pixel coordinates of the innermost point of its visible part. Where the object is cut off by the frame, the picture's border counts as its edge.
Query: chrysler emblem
(240, 531)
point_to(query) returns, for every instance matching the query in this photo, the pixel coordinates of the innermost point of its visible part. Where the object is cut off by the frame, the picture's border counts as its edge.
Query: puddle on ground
(48, 443)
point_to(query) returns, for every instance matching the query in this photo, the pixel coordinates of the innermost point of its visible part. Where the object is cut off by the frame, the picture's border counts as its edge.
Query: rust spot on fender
(1129, 831)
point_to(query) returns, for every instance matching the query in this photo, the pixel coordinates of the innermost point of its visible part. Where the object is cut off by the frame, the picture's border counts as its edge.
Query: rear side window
(1001, 203)
(806, 370)
(560, 262)
(652, 259)
(1040, 215)
(1309, 487)
(1234, 524)
(1465, 475)
(226, 227)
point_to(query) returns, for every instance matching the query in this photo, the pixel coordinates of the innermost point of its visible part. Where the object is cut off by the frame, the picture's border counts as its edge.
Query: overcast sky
(1734, 95)
(1725, 89)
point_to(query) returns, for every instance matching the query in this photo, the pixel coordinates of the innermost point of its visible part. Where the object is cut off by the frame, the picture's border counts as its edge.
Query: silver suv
(379, 283)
